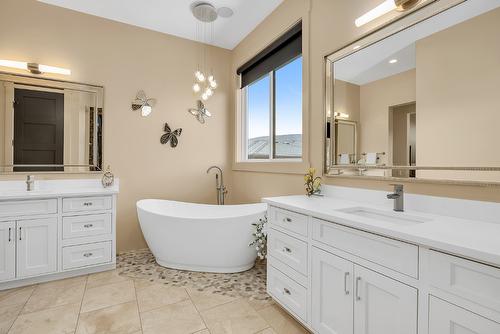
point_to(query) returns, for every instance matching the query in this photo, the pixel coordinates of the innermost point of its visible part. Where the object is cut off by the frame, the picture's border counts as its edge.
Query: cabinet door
(446, 318)
(36, 247)
(332, 293)
(7, 250)
(383, 305)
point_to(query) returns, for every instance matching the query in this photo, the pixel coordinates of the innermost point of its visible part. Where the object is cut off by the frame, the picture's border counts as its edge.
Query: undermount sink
(387, 217)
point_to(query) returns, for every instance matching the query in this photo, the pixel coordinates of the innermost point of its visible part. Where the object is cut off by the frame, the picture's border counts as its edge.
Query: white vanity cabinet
(338, 279)
(36, 247)
(7, 250)
(57, 234)
(348, 298)
(332, 293)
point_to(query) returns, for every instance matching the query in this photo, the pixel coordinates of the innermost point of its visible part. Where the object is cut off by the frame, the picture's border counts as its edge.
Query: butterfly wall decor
(142, 102)
(170, 136)
(201, 112)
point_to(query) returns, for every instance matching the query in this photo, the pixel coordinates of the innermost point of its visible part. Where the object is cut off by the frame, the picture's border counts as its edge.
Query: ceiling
(372, 63)
(174, 16)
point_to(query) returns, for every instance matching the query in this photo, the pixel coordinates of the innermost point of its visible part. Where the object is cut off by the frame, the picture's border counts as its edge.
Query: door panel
(38, 129)
(446, 318)
(36, 247)
(332, 293)
(383, 305)
(7, 250)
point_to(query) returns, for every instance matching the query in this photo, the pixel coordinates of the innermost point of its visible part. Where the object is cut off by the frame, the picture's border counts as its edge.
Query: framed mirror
(418, 99)
(49, 126)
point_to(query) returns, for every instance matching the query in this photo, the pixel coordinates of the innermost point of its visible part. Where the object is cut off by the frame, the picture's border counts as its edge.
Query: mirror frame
(29, 80)
(402, 22)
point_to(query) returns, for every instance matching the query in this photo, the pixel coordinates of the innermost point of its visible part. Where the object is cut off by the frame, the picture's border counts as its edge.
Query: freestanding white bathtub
(200, 237)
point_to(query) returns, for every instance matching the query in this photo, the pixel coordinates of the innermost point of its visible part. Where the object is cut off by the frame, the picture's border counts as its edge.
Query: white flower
(257, 248)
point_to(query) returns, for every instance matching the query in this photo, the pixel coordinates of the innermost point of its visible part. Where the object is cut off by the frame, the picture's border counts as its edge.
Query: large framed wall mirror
(419, 99)
(49, 126)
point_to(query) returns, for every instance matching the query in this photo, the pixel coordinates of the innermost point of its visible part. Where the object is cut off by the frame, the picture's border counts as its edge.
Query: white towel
(344, 159)
(371, 158)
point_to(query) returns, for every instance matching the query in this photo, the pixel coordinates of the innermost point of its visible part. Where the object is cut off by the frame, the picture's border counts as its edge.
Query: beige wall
(458, 95)
(376, 98)
(2, 124)
(346, 97)
(125, 59)
(331, 27)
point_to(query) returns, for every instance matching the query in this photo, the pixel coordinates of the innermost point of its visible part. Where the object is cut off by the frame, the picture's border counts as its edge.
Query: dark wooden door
(38, 129)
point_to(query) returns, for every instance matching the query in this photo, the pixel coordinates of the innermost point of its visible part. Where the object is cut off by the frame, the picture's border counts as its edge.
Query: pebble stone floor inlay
(141, 297)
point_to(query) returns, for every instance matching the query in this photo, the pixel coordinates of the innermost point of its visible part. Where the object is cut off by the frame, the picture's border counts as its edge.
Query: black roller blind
(280, 52)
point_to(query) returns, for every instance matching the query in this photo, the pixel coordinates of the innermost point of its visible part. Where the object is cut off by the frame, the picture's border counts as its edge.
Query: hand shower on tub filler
(219, 184)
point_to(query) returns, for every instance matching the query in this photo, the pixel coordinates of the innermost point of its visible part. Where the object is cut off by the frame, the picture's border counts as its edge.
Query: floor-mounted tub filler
(200, 237)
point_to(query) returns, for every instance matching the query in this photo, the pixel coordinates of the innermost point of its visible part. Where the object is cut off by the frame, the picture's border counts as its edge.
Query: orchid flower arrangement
(313, 184)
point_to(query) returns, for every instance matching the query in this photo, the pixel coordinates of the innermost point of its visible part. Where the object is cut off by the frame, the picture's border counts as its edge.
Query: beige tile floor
(111, 303)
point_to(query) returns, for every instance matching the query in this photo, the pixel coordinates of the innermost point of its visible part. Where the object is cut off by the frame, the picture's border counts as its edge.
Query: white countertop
(16, 190)
(477, 240)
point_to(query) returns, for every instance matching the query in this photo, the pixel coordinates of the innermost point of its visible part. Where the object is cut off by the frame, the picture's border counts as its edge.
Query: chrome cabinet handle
(358, 279)
(288, 220)
(346, 275)
(87, 254)
(20, 233)
(286, 291)
(286, 250)
(87, 204)
(10, 234)
(88, 225)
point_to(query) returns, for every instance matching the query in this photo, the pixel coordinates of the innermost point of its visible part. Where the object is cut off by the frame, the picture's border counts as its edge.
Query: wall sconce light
(142, 102)
(34, 68)
(384, 8)
(340, 115)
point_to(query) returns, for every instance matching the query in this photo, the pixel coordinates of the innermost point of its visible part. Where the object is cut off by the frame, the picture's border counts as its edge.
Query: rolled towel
(371, 158)
(344, 159)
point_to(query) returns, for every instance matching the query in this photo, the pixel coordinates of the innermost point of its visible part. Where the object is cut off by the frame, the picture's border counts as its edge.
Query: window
(272, 101)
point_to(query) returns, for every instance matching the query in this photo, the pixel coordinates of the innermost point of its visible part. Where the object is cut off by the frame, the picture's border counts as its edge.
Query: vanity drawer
(86, 226)
(288, 292)
(27, 208)
(470, 280)
(288, 250)
(446, 318)
(86, 255)
(75, 204)
(291, 221)
(393, 254)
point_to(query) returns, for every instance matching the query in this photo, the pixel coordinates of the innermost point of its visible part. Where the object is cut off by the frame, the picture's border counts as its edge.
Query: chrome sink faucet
(398, 197)
(30, 182)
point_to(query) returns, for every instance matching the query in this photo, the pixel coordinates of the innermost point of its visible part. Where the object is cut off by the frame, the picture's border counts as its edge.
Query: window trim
(278, 166)
(272, 119)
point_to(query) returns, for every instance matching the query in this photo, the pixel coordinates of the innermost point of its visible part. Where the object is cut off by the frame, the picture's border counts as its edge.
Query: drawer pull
(87, 204)
(20, 233)
(358, 279)
(286, 250)
(286, 291)
(10, 234)
(88, 225)
(88, 254)
(346, 276)
(288, 220)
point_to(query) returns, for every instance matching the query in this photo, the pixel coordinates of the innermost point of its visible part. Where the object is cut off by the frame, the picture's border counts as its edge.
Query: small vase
(108, 179)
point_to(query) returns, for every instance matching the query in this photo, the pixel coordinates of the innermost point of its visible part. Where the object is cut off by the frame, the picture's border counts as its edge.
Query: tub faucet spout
(219, 184)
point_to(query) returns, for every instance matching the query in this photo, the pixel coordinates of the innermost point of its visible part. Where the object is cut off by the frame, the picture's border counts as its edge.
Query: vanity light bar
(386, 7)
(34, 68)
